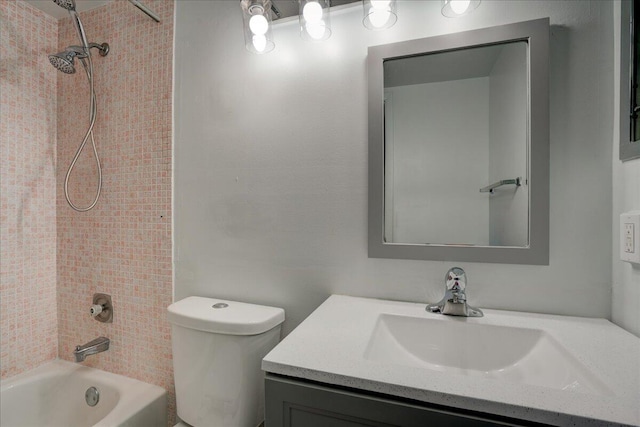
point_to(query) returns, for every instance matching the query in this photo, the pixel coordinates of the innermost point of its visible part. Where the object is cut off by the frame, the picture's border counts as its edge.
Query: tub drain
(92, 396)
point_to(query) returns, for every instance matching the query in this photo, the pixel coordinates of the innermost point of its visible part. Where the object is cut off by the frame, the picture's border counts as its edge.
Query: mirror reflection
(456, 147)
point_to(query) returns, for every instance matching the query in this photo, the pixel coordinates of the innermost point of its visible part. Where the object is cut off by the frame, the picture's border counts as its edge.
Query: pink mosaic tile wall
(28, 329)
(123, 246)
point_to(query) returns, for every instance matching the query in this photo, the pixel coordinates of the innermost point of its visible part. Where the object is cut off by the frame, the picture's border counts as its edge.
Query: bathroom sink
(457, 346)
(555, 370)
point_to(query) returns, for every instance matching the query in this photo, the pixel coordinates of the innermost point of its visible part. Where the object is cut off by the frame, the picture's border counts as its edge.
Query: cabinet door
(293, 403)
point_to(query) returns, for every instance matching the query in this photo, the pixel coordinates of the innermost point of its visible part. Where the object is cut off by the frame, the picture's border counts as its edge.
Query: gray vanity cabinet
(295, 403)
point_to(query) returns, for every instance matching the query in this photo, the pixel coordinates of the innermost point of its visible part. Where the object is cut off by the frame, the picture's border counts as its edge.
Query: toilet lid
(224, 317)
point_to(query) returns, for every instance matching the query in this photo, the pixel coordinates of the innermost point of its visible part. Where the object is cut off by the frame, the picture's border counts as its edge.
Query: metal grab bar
(490, 188)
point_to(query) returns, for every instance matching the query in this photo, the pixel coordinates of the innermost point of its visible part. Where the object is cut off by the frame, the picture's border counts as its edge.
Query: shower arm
(146, 10)
(103, 49)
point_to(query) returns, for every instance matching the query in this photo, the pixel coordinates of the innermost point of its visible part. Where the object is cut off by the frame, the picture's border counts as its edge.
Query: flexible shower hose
(89, 134)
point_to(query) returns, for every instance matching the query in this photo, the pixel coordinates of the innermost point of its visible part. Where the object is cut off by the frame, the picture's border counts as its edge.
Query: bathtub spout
(92, 347)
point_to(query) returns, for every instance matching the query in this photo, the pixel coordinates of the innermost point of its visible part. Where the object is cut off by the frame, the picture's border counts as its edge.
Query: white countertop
(329, 347)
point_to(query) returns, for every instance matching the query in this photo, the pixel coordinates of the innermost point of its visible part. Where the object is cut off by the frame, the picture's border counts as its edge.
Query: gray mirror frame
(629, 150)
(536, 34)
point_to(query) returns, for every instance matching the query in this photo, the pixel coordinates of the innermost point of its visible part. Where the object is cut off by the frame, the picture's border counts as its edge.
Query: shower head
(67, 4)
(70, 5)
(63, 61)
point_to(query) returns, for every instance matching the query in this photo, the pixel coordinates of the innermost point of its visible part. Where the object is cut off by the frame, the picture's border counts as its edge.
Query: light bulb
(380, 4)
(258, 25)
(312, 12)
(315, 29)
(259, 42)
(460, 6)
(379, 18)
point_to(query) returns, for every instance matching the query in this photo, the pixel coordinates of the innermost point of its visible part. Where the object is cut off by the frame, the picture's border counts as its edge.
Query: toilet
(218, 347)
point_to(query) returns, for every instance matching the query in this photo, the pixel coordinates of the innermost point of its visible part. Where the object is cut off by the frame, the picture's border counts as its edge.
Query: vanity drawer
(294, 403)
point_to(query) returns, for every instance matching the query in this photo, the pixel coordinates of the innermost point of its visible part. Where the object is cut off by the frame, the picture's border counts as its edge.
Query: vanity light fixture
(379, 14)
(257, 25)
(315, 20)
(456, 8)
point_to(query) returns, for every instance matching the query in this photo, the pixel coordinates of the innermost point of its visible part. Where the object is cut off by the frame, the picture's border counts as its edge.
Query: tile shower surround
(123, 246)
(27, 188)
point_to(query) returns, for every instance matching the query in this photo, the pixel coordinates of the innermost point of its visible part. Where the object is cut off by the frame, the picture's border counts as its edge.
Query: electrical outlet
(630, 237)
(629, 243)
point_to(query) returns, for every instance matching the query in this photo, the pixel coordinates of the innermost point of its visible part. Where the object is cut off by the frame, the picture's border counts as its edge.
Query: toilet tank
(218, 347)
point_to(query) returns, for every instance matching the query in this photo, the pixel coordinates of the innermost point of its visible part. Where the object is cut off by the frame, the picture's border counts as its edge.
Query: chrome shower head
(63, 61)
(70, 5)
(67, 4)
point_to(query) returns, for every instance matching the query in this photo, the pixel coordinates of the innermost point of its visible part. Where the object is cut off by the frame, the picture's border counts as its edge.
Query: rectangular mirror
(458, 146)
(455, 126)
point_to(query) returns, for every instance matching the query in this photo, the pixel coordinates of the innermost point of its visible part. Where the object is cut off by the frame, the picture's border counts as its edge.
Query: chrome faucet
(92, 347)
(454, 302)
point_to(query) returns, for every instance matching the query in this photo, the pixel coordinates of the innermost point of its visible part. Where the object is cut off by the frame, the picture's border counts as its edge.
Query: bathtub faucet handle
(102, 308)
(96, 309)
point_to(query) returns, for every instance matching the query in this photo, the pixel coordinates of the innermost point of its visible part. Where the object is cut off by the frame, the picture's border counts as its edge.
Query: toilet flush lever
(102, 308)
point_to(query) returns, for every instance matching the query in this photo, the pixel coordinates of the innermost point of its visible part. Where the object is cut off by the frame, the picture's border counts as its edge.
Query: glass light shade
(257, 25)
(379, 14)
(315, 19)
(456, 8)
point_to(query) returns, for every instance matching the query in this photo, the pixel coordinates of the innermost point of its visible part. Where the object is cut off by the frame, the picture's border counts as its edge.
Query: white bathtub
(53, 395)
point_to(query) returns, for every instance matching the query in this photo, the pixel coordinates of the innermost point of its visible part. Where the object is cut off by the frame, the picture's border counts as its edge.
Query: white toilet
(218, 347)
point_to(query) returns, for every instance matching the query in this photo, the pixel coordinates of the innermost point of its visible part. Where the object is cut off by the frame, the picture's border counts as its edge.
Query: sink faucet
(92, 347)
(454, 302)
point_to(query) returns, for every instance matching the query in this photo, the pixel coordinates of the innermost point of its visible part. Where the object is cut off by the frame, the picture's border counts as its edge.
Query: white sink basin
(454, 345)
(555, 370)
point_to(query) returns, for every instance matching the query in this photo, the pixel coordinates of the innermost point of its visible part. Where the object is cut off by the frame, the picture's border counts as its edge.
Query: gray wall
(626, 197)
(271, 159)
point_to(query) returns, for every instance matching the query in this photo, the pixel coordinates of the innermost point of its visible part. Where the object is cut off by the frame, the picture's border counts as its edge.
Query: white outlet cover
(630, 237)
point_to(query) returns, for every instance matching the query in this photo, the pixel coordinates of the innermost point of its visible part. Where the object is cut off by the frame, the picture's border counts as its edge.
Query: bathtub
(53, 395)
